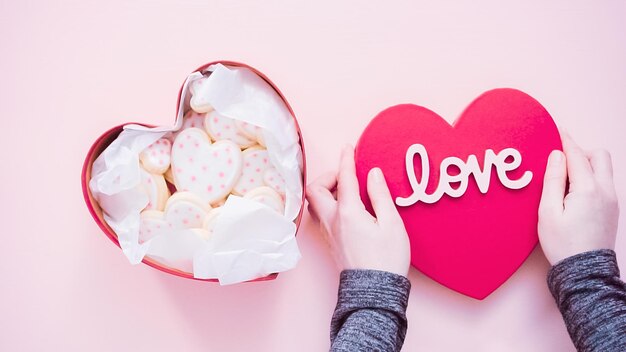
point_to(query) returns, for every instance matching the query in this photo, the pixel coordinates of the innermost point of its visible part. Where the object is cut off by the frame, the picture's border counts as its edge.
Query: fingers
(347, 183)
(554, 182)
(380, 197)
(602, 166)
(322, 204)
(578, 167)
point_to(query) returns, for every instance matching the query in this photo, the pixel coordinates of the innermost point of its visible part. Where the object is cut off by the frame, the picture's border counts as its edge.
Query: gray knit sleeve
(370, 313)
(592, 300)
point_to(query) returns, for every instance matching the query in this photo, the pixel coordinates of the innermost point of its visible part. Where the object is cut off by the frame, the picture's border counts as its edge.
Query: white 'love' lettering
(482, 177)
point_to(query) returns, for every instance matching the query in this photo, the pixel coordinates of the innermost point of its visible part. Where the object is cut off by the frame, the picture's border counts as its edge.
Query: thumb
(554, 182)
(380, 197)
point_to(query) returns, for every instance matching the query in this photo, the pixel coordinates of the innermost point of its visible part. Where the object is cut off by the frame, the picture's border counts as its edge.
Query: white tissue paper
(249, 239)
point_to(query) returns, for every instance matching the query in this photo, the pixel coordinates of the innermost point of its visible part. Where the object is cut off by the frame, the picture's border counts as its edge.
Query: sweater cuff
(571, 271)
(373, 289)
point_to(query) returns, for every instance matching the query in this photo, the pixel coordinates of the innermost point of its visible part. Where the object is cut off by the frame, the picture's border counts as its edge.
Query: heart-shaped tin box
(109, 136)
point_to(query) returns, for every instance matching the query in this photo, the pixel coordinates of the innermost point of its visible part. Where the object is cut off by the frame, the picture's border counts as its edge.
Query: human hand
(359, 240)
(586, 217)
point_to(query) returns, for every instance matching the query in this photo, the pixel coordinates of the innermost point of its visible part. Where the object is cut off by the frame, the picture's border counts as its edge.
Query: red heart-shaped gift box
(474, 242)
(109, 136)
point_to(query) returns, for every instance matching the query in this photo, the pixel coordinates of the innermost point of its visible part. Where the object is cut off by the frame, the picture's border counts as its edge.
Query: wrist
(582, 254)
(575, 252)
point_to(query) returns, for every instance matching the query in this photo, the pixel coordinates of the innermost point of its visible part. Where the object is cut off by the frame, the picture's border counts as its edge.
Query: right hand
(585, 218)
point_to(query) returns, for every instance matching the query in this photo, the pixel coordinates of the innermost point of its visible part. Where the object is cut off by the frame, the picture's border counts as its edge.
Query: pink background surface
(70, 70)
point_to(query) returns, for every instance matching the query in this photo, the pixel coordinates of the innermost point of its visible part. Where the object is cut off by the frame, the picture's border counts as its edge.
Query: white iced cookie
(209, 220)
(268, 197)
(199, 102)
(193, 119)
(273, 179)
(156, 157)
(208, 170)
(184, 210)
(251, 131)
(152, 224)
(155, 188)
(223, 128)
(255, 164)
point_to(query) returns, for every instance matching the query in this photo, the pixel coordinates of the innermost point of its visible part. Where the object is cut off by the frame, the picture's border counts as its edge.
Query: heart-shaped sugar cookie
(256, 162)
(184, 210)
(208, 170)
(156, 157)
(155, 188)
(221, 128)
(267, 197)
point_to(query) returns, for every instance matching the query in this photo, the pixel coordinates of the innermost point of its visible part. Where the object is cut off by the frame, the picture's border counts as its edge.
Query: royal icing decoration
(255, 163)
(467, 168)
(267, 197)
(199, 101)
(152, 224)
(155, 188)
(183, 210)
(224, 128)
(156, 157)
(186, 210)
(251, 131)
(274, 180)
(193, 119)
(208, 170)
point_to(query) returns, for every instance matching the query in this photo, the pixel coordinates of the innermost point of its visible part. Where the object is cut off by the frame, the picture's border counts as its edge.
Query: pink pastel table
(71, 69)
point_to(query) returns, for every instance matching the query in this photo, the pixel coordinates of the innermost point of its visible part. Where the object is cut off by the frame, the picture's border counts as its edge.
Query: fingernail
(556, 157)
(377, 174)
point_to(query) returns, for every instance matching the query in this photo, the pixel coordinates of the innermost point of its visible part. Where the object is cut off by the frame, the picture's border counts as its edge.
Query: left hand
(358, 239)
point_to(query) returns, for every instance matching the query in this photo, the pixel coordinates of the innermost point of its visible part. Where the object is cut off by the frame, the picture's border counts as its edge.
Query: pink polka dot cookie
(152, 224)
(193, 119)
(208, 170)
(268, 197)
(274, 180)
(156, 157)
(255, 163)
(251, 131)
(199, 102)
(223, 128)
(155, 188)
(184, 210)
